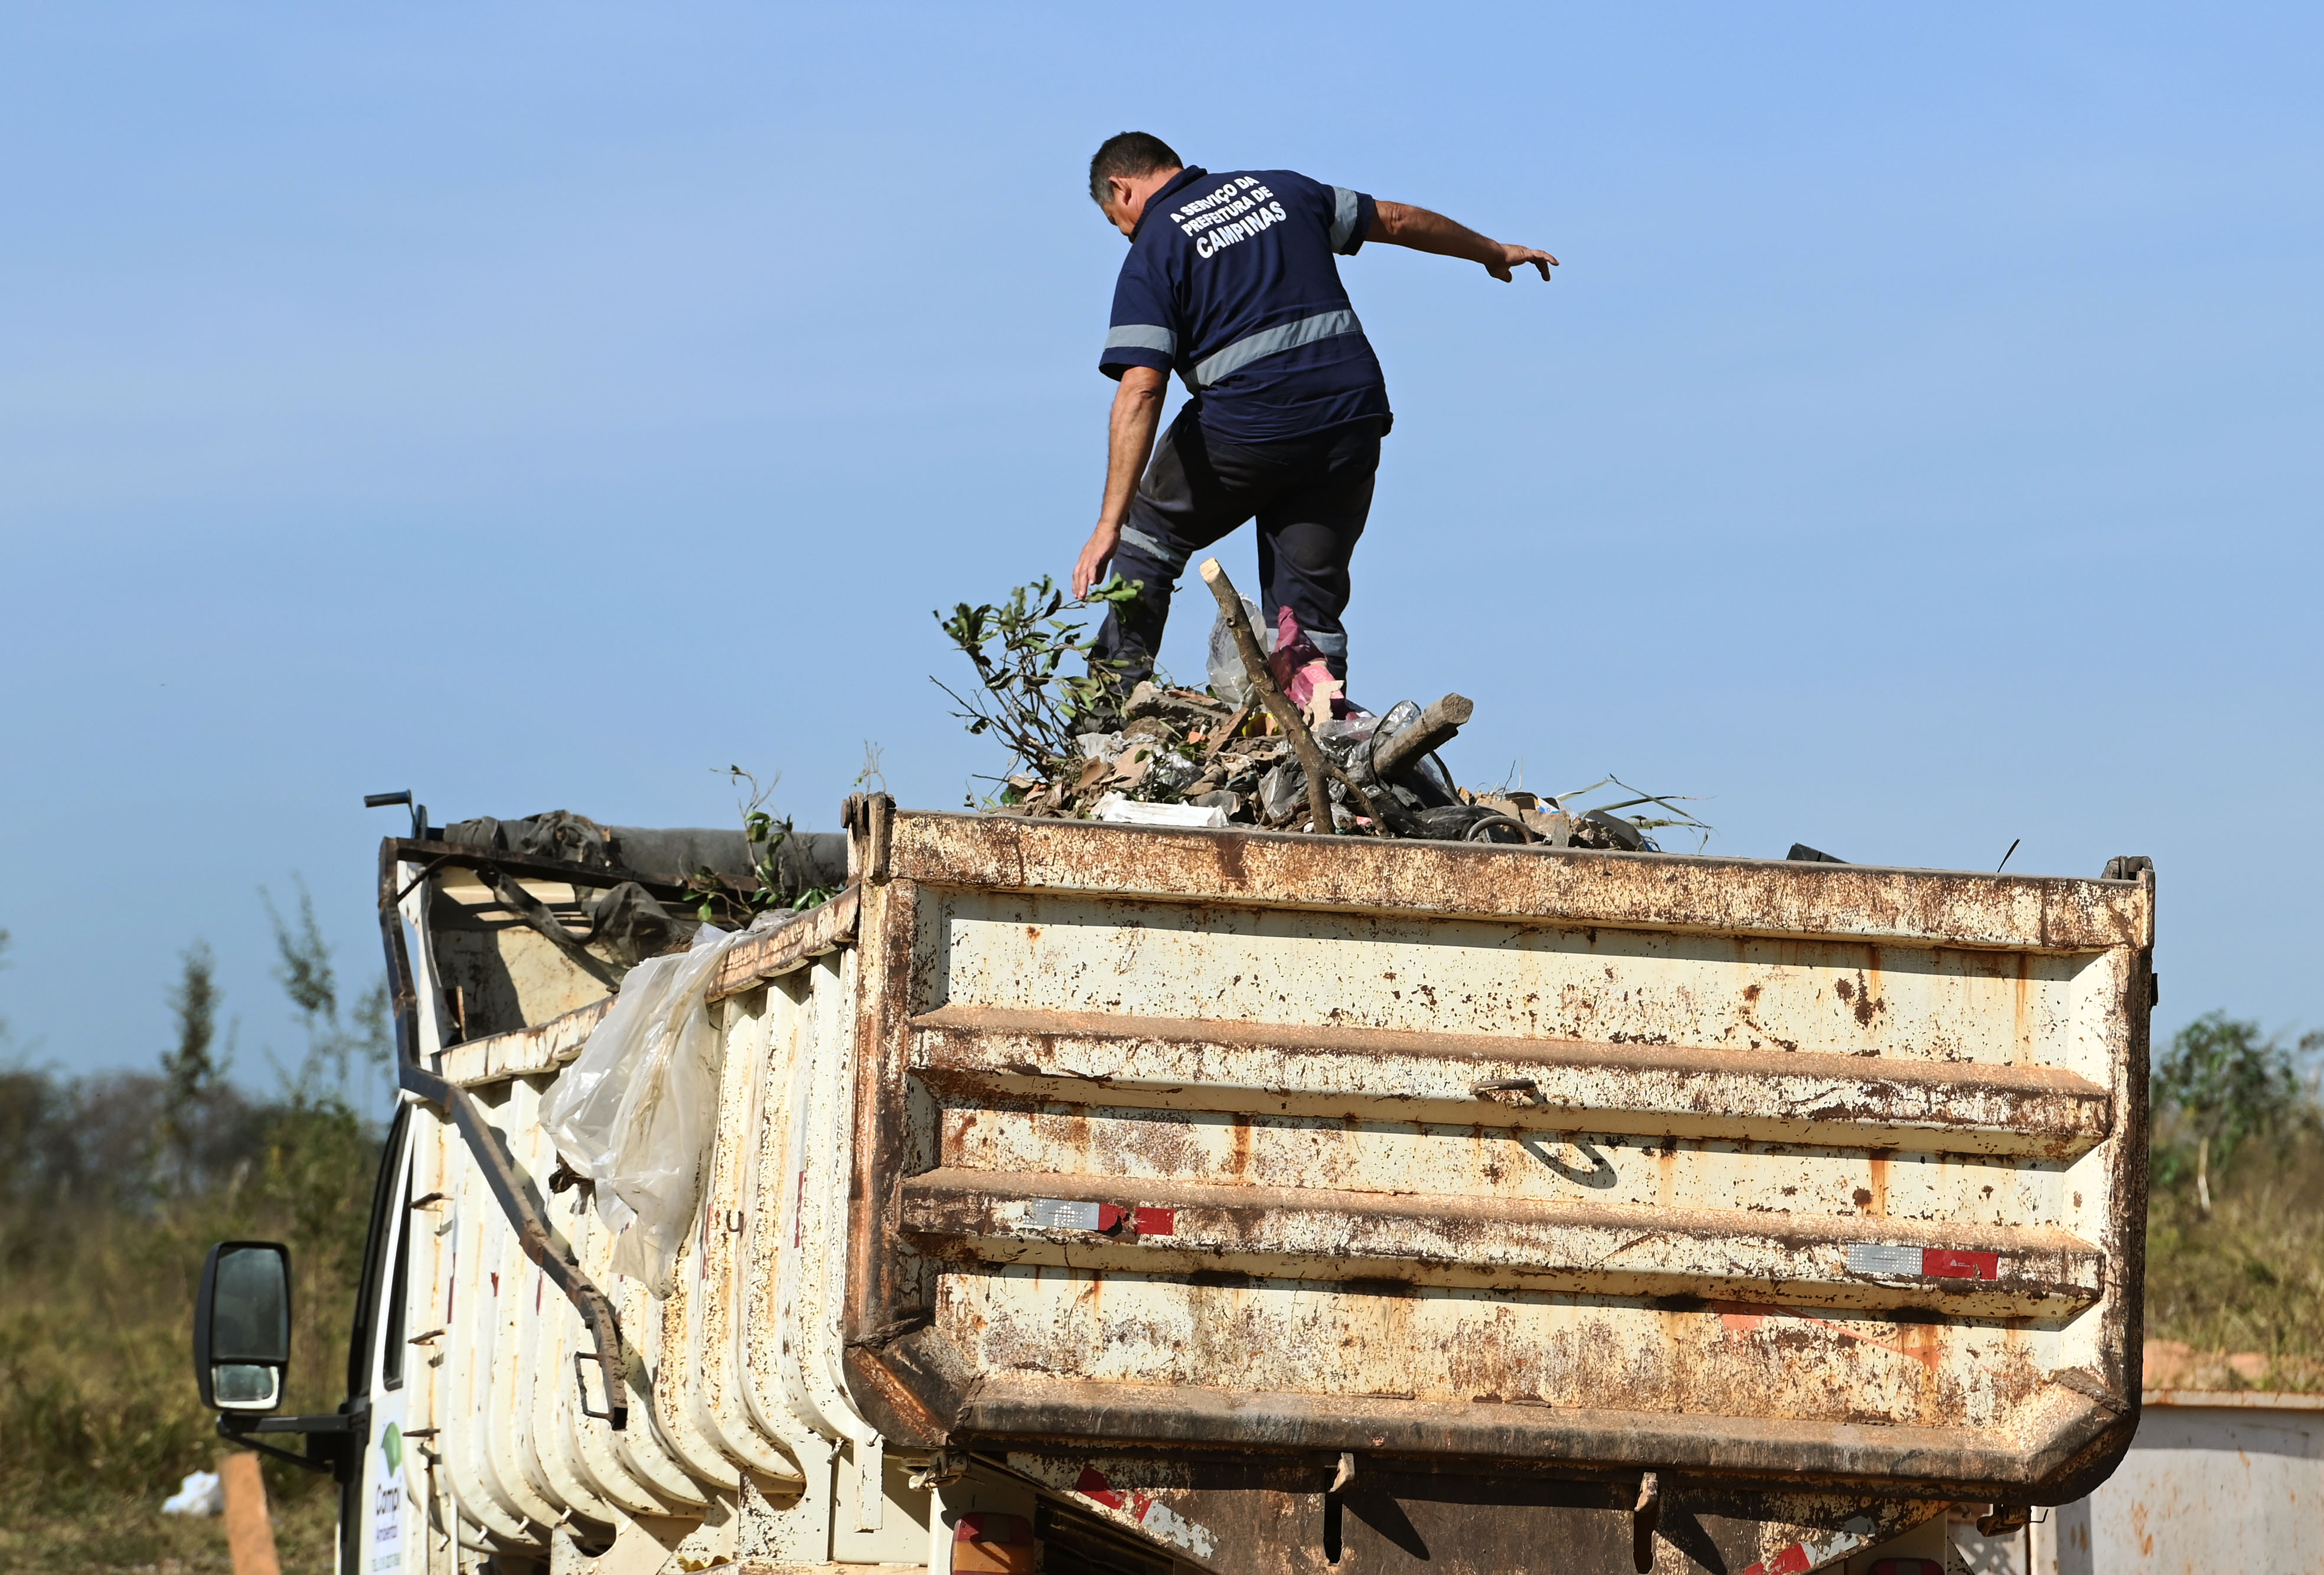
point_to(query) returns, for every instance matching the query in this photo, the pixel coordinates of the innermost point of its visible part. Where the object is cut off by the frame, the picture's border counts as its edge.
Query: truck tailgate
(1764, 1173)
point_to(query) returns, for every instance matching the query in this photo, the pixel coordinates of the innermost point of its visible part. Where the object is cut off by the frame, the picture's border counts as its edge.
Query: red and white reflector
(1092, 1484)
(1886, 1262)
(1064, 1214)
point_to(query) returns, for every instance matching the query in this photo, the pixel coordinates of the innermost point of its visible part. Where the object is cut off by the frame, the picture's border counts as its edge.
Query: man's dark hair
(1129, 154)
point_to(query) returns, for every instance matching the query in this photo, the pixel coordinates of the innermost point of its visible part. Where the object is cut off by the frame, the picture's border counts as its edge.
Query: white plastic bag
(634, 1111)
(1124, 811)
(199, 1494)
(1228, 679)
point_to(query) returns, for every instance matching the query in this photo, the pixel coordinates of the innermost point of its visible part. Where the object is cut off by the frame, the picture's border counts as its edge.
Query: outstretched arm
(1402, 225)
(1137, 412)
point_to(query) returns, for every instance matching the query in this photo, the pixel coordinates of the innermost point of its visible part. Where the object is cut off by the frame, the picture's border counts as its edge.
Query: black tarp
(804, 861)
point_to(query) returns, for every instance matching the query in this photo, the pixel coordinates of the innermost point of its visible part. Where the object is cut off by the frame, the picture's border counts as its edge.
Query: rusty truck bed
(1254, 1192)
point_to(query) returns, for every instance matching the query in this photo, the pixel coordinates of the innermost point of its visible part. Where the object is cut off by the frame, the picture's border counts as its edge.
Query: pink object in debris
(1300, 668)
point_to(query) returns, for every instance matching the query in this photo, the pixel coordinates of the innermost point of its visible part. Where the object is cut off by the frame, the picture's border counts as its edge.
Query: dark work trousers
(1310, 496)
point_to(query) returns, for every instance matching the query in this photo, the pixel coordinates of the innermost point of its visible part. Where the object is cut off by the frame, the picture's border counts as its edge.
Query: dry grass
(2248, 1282)
(97, 1406)
(102, 1532)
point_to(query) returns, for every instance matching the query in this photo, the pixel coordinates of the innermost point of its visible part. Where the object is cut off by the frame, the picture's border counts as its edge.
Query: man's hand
(1090, 569)
(1399, 224)
(1515, 258)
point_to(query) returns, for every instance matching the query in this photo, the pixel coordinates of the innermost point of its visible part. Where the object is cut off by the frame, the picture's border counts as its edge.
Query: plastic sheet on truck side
(633, 1112)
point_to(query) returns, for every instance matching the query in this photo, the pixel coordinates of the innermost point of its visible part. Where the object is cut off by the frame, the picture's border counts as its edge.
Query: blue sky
(546, 406)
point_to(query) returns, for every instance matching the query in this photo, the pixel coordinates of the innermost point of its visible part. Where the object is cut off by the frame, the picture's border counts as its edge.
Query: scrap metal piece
(2005, 1518)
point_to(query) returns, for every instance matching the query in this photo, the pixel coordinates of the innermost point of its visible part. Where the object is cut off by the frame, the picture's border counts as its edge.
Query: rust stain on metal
(1858, 995)
(753, 962)
(1294, 1233)
(1979, 1105)
(1500, 1133)
(1741, 896)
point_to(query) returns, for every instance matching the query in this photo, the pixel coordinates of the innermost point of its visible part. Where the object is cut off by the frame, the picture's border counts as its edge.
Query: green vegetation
(2234, 1235)
(95, 1393)
(111, 1189)
(766, 832)
(1018, 647)
(2221, 1083)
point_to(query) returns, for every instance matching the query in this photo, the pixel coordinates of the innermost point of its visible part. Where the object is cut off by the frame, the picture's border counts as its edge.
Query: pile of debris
(1184, 748)
(1272, 744)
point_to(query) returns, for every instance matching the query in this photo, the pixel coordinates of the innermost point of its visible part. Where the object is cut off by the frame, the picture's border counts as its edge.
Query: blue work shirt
(1230, 282)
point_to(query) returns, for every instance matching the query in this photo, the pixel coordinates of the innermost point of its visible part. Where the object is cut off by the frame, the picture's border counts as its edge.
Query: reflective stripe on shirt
(1343, 216)
(1272, 341)
(1142, 335)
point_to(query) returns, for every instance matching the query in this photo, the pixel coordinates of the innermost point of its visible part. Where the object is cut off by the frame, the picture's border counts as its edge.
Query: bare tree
(336, 1045)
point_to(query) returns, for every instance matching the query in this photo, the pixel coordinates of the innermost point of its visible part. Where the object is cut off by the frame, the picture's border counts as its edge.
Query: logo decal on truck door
(386, 1557)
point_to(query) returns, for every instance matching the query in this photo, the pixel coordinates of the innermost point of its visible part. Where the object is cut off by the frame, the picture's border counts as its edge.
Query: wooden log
(249, 1535)
(1434, 730)
(1280, 710)
(1263, 684)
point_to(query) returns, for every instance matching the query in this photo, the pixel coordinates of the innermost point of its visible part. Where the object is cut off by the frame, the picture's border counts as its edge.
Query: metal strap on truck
(484, 1144)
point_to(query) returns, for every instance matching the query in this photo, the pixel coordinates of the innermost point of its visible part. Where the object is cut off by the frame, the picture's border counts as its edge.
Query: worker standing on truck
(1231, 282)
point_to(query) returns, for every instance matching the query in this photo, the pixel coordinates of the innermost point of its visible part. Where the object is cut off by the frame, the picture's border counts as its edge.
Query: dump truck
(1078, 1196)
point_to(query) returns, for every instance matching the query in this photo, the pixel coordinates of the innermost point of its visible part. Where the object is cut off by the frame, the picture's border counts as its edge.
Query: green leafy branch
(766, 832)
(1018, 647)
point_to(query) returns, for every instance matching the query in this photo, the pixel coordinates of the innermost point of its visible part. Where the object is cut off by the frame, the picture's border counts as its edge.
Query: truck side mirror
(242, 1326)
